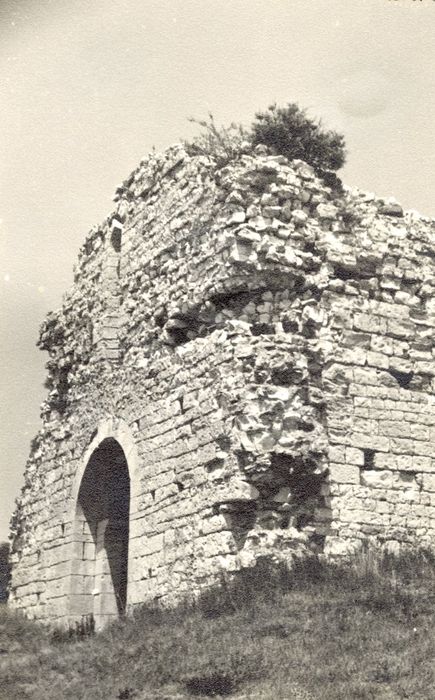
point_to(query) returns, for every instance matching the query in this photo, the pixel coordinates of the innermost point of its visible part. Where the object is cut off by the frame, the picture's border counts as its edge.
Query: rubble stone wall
(259, 344)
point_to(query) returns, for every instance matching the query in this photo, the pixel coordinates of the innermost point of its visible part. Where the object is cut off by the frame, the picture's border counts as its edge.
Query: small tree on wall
(288, 131)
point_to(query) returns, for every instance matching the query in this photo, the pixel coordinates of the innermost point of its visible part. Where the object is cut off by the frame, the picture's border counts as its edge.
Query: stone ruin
(244, 367)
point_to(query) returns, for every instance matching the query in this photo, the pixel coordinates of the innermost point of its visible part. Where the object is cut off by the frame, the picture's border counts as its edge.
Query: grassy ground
(360, 632)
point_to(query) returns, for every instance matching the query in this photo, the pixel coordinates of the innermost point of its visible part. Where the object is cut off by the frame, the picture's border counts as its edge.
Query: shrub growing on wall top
(289, 132)
(223, 143)
(284, 130)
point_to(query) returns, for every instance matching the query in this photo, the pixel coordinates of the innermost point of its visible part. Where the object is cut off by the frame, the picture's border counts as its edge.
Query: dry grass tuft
(360, 631)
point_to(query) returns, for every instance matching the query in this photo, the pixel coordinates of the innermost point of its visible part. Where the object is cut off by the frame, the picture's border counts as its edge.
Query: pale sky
(87, 87)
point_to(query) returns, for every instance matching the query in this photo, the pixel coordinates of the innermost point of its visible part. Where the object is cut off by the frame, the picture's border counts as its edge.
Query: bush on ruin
(223, 143)
(289, 132)
(286, 131)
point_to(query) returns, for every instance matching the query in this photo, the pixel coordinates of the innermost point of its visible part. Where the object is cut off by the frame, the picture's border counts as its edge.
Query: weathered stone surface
(243, 366)
(326, 211)
(391, 209)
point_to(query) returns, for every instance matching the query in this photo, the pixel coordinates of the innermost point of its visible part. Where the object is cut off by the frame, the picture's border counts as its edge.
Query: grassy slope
(315, 633)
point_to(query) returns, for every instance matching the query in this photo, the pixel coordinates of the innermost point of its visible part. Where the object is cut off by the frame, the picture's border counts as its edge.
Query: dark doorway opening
(102, 531)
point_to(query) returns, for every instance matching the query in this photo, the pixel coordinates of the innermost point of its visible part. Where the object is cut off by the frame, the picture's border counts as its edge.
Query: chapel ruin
(243, 367)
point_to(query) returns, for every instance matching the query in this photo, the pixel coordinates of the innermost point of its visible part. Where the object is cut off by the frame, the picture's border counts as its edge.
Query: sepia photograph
(217, 349)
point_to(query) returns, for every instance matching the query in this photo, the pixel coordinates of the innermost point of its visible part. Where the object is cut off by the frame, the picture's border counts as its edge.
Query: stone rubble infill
(254, 348)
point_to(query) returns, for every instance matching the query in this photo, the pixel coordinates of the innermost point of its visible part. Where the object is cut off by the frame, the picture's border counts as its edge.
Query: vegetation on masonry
(359, 631)
(5, 571)
(286, 131)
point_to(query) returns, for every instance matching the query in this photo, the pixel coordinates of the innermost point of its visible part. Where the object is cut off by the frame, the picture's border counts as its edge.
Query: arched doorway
(100, 565)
